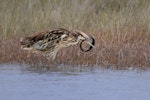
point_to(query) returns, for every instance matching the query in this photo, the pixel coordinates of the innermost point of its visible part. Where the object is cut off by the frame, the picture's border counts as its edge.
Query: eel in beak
(89, 40)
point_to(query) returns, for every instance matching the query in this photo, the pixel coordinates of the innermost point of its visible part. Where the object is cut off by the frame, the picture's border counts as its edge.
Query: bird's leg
(52, 62)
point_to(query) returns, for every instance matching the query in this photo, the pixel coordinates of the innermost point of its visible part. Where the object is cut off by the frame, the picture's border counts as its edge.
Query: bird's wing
(49, 34)
(46, 40)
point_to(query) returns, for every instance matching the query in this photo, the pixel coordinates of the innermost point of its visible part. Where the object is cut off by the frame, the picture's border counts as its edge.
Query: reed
(121, 29)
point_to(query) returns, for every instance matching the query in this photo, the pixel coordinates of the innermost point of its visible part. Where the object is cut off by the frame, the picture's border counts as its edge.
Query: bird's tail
(25, 43)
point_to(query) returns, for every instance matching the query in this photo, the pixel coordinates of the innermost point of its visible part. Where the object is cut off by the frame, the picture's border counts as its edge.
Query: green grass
(121, 29)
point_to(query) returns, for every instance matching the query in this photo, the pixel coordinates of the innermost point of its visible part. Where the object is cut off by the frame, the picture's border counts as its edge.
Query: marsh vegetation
(121, 29)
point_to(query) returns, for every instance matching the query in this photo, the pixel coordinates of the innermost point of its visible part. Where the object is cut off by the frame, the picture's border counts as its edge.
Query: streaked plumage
(51, 41)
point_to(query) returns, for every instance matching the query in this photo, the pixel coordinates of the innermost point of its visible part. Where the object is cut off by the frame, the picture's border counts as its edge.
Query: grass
(121, 29)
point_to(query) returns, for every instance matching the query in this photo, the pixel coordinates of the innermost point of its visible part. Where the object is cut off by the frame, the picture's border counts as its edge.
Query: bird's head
(81, 36)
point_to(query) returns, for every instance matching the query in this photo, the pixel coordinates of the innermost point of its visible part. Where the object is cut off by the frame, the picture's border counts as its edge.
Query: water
(20, 84)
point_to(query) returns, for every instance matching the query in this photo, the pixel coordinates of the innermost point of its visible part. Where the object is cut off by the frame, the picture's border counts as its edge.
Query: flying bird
(51, 41)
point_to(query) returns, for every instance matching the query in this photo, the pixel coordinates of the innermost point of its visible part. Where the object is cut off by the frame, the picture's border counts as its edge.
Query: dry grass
(121, 29)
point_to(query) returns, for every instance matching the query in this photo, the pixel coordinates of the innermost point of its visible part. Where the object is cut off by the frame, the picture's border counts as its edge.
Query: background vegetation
(121, 29)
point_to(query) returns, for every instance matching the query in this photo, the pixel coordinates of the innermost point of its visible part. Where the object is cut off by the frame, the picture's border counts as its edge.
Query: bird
(49, 42)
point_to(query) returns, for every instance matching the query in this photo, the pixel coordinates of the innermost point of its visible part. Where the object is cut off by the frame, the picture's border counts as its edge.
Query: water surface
(19, 84)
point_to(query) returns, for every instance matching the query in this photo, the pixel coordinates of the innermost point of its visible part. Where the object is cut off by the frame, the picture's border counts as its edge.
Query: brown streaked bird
(51, 41)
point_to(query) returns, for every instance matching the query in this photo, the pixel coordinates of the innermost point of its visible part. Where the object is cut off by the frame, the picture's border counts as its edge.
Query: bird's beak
(89, 40)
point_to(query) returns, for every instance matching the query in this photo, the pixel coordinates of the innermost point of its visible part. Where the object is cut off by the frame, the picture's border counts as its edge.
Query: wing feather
(45, 41)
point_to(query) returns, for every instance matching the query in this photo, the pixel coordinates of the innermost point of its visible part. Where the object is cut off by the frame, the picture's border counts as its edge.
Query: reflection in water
(21, 84)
